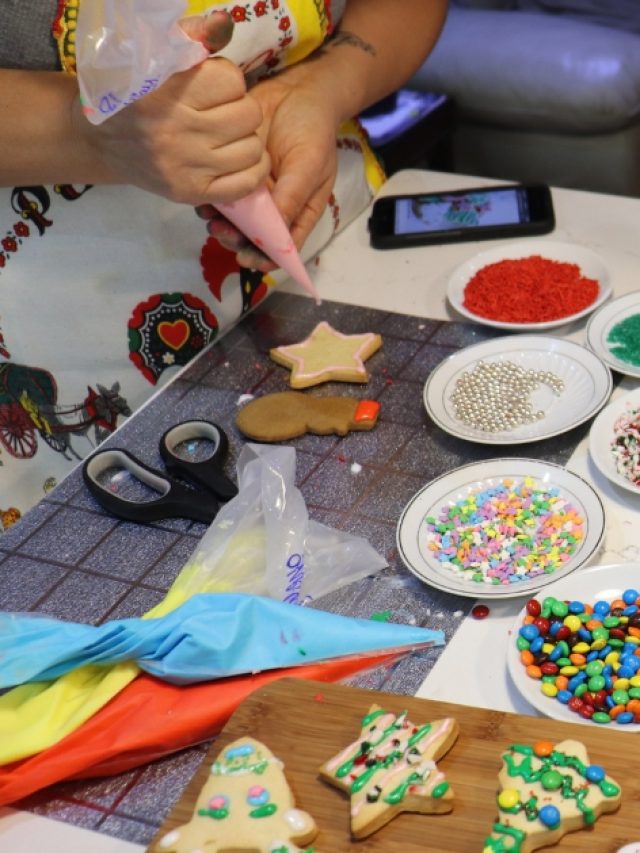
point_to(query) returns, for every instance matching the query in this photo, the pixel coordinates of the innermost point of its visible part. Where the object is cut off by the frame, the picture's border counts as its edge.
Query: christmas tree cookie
(547, 790)
(391, 769)
(246, 806)
(327, 355)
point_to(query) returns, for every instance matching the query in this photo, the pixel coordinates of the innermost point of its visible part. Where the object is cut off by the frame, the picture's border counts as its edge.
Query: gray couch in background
(544, 90)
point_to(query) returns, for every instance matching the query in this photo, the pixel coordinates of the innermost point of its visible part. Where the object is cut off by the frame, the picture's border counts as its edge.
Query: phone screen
(448, 211)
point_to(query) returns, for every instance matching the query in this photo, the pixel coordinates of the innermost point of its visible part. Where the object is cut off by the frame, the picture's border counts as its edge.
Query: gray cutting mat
(68, 559)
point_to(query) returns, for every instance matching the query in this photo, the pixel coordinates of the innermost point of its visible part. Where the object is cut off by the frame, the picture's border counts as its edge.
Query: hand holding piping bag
(155, 59)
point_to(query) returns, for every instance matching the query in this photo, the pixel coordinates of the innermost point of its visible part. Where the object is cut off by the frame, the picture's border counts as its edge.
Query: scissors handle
(206, 473)
(175, 500)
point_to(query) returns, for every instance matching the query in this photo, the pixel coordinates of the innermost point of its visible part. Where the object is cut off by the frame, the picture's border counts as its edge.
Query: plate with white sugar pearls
(517, 389)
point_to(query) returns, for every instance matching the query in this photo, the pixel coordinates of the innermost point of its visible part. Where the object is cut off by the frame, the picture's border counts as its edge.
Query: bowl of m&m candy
(578, 659)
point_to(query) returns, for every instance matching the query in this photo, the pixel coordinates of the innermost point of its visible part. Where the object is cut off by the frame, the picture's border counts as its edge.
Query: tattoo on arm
(342, 37)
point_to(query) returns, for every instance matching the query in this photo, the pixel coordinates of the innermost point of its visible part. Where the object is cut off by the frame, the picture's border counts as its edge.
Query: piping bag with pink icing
(257, 216)
(125, 51)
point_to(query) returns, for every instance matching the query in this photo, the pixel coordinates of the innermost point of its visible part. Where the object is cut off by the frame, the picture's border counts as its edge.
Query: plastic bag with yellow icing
(262, 542)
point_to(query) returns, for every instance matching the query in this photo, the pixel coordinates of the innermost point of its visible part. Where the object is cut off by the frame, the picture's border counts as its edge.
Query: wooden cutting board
(304, 723)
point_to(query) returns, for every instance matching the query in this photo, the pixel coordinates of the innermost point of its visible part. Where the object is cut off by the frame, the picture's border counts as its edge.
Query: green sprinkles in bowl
(505, 534)
(624, 340)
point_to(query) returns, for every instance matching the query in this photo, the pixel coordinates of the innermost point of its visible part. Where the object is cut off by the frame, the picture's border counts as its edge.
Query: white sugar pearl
(297, 820)
(169, 839)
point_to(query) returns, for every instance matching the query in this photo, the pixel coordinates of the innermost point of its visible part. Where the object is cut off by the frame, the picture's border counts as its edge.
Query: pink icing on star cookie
(327, 355)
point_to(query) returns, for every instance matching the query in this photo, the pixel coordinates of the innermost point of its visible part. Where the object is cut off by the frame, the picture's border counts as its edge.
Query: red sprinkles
(529, 290)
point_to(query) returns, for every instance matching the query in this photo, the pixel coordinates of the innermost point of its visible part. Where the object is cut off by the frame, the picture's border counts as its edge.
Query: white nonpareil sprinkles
(495, 396)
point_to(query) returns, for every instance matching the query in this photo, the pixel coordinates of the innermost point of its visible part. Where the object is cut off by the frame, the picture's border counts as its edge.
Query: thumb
(214, 31)
(290, 192)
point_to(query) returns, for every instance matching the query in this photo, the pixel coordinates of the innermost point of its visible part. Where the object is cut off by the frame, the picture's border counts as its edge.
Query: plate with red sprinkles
(517, 389)
(530, 285)
(614, 441)
(573, 653)
(613, 333)
(500, 528)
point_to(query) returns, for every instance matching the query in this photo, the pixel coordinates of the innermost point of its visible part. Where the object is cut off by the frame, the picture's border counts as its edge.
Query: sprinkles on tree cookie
(391, 768)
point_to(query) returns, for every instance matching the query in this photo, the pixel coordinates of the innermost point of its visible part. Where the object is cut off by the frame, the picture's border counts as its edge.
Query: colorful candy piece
(586, 656)
(246, 806)
(289, 414)
(546, 791)
(327, 355)
(505, 534)
(391, 769)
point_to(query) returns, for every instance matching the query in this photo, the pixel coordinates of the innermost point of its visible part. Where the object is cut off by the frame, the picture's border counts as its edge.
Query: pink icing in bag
(125, 51)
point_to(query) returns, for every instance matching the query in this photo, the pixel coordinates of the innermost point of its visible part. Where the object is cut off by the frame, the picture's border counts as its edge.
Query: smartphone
(482, 213)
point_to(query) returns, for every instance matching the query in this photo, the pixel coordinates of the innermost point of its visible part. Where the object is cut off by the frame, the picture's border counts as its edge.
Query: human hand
(299, 131)
(194, 140)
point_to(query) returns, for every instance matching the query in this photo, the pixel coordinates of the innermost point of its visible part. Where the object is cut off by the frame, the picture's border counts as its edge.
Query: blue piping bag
(209, 636)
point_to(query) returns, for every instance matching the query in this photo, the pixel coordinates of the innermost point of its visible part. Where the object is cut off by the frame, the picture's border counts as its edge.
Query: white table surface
(472, 669)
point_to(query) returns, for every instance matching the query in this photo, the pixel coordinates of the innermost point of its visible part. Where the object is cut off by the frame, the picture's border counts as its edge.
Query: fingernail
(225, 29)
(204, 211)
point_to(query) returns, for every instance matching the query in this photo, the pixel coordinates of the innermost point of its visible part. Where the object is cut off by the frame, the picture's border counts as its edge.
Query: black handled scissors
(192, 450)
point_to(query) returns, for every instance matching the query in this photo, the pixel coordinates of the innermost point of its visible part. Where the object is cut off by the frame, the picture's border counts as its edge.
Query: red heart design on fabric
(174, 335)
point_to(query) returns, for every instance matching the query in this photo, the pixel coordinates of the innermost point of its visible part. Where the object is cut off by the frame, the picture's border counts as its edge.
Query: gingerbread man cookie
(391, 769)
(327, 355)
(289, 414)
(547, 790)
(246, 806)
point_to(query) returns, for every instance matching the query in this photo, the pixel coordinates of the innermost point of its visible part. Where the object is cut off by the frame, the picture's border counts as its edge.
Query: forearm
(377, 47)
(38, 141)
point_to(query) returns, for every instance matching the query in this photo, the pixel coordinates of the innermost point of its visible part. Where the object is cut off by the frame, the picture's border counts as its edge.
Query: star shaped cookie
(327, 355)
(391, 769)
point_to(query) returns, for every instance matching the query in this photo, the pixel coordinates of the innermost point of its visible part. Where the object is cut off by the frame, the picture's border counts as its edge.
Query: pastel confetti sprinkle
(505, 534)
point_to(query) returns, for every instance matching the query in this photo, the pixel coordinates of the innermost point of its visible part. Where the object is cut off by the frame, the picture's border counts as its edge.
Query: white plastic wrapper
(126, 49)
(263, 541)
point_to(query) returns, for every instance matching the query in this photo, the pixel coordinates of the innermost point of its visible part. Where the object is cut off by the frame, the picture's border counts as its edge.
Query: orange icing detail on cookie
(367, 410)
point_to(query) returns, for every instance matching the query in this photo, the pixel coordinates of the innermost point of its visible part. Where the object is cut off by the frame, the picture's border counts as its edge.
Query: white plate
(601, 435)
(600, 325)
(591, 266)
(456, 485)
(587, 386)
(588, 585)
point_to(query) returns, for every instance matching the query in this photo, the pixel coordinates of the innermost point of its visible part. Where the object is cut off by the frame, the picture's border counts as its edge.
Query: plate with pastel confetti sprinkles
(500, 528)
(572, 651)
(613, 333)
